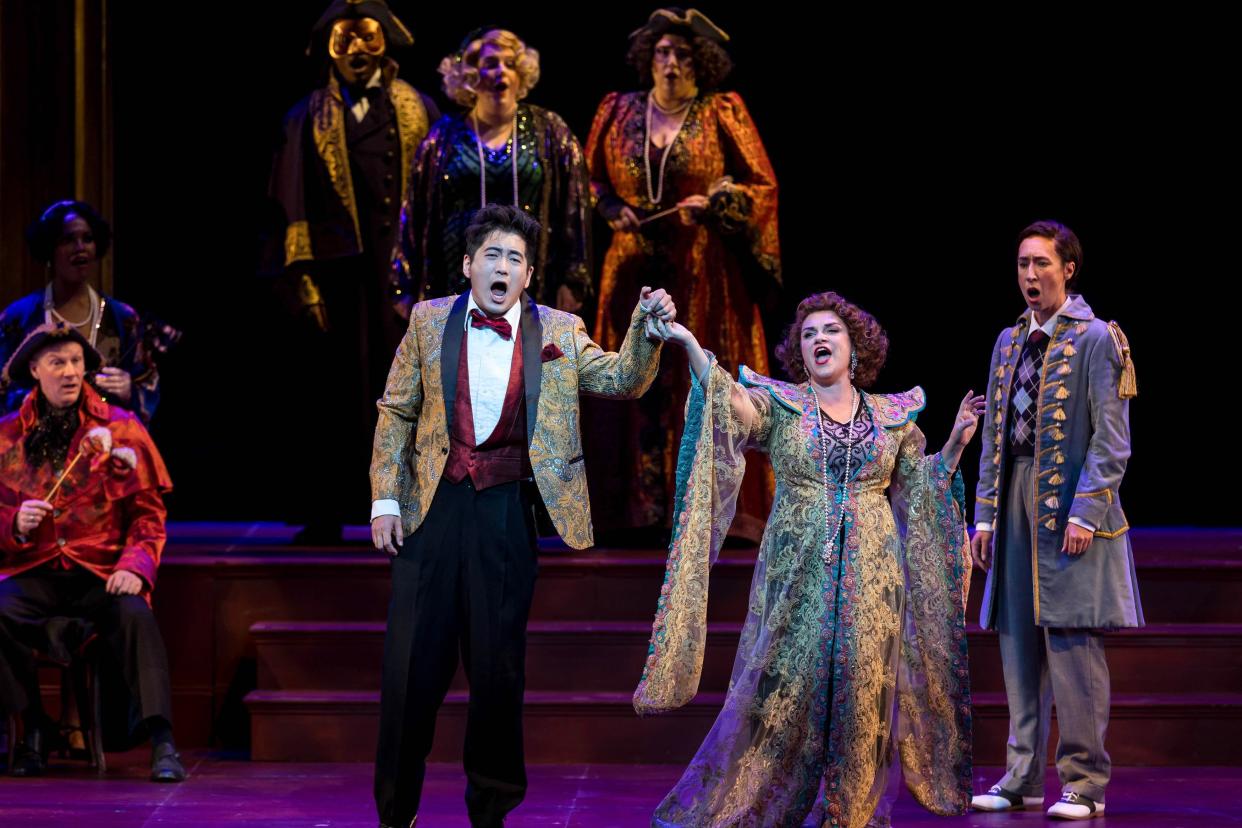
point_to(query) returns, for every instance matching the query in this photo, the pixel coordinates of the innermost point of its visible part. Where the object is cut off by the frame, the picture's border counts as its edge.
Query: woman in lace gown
(853, 652)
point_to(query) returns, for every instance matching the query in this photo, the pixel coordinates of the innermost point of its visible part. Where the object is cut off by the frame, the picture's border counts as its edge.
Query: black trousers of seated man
(30, 598)
(462, 583)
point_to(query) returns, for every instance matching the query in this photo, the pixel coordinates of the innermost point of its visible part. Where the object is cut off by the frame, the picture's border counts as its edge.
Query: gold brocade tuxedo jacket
(559, 362)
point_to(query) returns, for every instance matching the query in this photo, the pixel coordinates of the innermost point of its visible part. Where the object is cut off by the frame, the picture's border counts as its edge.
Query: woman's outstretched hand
(967, 420)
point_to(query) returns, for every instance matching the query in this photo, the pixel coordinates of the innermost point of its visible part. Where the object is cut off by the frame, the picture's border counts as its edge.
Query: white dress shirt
(489, 358)
(362, 106)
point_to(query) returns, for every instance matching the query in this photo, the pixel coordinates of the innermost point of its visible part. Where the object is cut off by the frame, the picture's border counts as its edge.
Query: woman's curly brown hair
(712, 63)
(866, 337)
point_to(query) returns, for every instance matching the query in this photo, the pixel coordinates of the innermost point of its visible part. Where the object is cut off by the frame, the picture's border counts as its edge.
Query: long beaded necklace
(658, 193)
(842, 489)
(92, 321)
(513, 151)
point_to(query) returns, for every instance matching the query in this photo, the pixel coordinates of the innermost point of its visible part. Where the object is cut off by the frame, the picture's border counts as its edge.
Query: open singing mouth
(499, 290)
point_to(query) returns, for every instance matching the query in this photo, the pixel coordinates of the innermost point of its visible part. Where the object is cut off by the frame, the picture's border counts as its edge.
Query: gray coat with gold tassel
(1082, 444)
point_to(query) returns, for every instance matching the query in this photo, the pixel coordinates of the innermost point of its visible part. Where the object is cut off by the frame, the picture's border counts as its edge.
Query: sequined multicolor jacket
(108, 516)
(1082, 443)
(560, 362)
(444, 194)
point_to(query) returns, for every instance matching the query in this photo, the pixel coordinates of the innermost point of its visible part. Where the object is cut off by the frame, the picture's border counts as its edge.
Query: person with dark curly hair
(853, 649)
(70, 237)
(682, 178)
(498, 149)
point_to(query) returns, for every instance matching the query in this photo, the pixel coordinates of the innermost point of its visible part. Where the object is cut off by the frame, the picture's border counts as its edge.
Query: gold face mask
(361, 36)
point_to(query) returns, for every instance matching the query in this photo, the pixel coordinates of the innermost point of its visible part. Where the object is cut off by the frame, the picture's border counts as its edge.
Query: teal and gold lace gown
(849, 656)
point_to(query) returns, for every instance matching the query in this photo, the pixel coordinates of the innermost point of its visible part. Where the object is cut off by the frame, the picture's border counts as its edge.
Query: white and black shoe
(1076, 806)
(999, 799)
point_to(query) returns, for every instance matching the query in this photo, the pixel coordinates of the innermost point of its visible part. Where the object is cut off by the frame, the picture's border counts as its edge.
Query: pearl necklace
(478, 142)
(842, 494)
(658, 193)
(93, 320)
(673, 110)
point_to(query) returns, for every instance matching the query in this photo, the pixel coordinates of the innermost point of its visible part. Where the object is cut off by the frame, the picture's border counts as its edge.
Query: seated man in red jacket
(81, 532)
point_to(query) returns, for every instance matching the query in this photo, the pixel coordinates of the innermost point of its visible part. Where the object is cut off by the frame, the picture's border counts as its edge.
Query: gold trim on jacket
(327, 116)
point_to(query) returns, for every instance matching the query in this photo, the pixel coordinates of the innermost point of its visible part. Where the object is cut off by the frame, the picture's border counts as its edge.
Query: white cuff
(983, 527)
(1077, 521)
(385, 507)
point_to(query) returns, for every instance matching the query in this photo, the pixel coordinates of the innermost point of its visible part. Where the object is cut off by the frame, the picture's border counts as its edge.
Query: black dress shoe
(30, 756)
(166, 764)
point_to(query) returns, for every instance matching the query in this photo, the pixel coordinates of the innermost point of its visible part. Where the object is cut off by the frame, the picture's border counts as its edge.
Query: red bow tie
(500, 326)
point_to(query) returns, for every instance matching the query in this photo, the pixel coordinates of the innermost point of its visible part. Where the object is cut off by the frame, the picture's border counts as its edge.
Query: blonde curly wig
(461, 70)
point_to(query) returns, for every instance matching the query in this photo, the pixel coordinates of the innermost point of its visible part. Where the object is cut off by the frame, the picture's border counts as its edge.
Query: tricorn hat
(17, 369)
(396, 35)
(687, 20)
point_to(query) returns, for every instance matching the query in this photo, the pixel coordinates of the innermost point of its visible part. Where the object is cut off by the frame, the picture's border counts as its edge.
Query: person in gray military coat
(1050, 531)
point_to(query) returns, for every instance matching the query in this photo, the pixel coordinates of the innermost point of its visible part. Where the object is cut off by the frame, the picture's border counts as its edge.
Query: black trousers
(28, 599)
(462, 583)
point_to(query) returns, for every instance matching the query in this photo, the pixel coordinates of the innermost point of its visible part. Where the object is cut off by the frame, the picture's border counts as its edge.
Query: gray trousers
(1041, 663)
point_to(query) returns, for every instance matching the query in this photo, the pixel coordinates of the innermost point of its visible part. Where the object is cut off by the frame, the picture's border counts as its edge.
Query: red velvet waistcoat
(502, 457)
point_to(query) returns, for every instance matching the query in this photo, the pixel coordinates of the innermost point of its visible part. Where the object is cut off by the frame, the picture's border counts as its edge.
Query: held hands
(700, 362)
(123, 582)
(673, 332)
(115, 382)
(658, 306)
(387, 534)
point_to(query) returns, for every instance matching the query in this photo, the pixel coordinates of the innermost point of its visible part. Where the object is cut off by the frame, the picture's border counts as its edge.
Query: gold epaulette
(1127, 387)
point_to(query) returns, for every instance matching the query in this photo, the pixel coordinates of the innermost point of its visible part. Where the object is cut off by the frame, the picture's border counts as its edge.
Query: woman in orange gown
(681, 176)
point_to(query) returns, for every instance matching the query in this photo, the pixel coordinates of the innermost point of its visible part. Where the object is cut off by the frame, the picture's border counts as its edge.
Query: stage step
(1158, 658)
(1193, 587)
(340, 726)
(218, 580)
(608, 656)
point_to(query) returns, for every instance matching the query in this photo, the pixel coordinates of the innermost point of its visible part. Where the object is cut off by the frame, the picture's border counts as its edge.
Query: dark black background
(910, 150)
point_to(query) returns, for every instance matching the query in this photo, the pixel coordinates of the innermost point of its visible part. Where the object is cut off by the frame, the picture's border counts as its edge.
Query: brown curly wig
(712, 63)
(866, 337)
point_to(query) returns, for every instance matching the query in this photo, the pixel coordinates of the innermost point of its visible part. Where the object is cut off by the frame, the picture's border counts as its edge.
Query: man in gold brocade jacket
(480, 420)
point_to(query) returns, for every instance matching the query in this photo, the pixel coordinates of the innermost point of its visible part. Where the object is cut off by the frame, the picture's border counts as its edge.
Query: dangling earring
(853, 363)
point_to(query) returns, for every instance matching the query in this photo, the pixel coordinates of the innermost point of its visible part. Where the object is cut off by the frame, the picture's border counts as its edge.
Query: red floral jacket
(108, 515)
